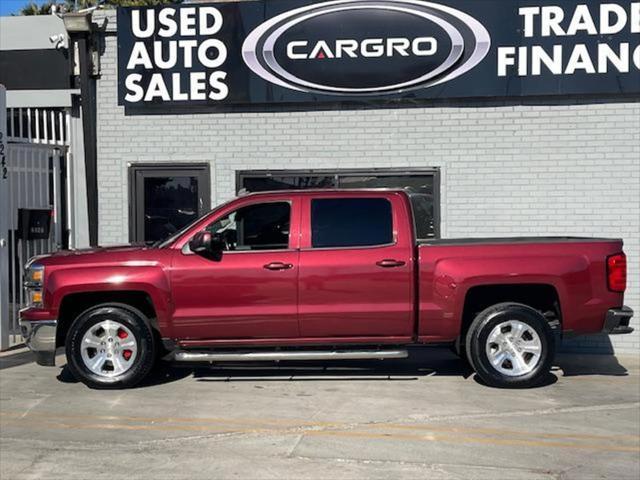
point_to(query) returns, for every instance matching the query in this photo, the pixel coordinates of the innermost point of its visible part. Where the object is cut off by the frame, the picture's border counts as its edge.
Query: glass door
(165, 199)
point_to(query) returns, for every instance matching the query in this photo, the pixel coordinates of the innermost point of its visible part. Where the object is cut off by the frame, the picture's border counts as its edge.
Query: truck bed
(572, 269)
(512, 240)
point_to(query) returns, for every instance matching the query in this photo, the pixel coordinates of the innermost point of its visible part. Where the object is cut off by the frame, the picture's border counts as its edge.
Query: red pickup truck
(329, 274)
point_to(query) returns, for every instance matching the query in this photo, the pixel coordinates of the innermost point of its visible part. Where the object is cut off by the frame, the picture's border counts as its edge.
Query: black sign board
(34, 224)
(182, 57)
(44, 69)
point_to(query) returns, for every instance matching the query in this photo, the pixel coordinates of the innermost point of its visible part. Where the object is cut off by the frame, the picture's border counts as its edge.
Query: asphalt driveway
(424, 417)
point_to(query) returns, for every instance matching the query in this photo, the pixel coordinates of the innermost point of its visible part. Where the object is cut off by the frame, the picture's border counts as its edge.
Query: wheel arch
(543, 297)
(74, 304)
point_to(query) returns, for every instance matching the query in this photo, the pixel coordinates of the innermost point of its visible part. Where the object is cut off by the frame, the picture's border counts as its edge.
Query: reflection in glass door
(166, 199)
(422, 184)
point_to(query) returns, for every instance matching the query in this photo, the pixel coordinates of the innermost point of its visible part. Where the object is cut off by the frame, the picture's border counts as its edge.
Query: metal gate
(33, 178)
(34, 183)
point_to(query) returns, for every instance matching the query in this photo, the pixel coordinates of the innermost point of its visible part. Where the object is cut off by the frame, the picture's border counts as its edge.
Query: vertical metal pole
(60, 128)
(54, 133)
(4, 225)
(45, 127)
(29, 128)
(88, 105)
(57, 200)
(12, 209)
(67, 128)
(11, 113)
(37, 115)
(70, 176)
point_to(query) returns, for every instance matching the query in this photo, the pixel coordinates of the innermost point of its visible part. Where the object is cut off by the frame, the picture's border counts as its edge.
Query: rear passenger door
(356, 267)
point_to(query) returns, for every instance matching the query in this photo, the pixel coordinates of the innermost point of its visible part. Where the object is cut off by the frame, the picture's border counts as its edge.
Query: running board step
(192, 356)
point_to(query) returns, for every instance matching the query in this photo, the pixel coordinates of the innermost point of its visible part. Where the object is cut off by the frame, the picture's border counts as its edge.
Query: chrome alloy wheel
(108, 349)
(514, 348)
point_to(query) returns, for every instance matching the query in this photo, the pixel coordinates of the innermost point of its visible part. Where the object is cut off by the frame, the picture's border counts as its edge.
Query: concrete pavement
(423, 417)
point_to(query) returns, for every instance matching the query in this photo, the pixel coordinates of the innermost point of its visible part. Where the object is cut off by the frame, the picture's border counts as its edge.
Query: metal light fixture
(76, 22)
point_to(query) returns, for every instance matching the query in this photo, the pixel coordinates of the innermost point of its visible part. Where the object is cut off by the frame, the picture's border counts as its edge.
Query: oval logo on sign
(366, 47)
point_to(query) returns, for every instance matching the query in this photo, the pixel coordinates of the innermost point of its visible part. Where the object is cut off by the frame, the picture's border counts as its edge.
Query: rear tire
(110, 346)
(511, 345)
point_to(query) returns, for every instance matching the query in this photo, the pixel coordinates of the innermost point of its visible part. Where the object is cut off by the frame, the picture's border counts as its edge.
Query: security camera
(58, 40)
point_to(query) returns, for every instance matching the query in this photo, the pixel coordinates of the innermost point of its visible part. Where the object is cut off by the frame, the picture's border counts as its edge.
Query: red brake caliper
(125, 353)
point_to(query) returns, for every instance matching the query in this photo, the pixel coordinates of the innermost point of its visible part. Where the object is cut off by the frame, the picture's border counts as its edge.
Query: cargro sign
(186, 57)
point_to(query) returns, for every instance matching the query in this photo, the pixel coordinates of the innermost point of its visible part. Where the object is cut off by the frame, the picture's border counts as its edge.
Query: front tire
(511, 345)
(110, 346)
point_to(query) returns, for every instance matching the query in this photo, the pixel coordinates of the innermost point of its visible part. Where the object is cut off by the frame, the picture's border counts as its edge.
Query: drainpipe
(85, 59)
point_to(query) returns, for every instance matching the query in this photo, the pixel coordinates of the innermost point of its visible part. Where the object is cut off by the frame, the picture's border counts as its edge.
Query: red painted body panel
(237, 297)
(331, 296)
(343, 293)
(576, 270)
(113, 269)
(295, 342)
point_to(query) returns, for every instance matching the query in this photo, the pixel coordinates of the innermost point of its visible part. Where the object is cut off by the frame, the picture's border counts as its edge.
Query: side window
(351, 222)
(263, 226)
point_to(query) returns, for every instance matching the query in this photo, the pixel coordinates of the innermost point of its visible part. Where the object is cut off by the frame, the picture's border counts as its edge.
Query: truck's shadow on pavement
(421, 363)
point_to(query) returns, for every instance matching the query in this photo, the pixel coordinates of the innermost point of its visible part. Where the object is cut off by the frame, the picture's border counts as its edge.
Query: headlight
(33, 278)
(34, 275)
(34, 297)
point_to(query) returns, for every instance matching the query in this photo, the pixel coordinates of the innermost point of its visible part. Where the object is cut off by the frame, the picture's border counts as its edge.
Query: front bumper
(40, 337)
(617, 321)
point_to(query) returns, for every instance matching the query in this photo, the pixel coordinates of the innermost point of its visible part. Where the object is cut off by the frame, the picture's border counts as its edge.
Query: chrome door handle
(390, 263)
(278, 266)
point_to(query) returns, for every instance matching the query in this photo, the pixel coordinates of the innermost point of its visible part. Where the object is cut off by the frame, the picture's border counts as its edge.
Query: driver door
(251, 293)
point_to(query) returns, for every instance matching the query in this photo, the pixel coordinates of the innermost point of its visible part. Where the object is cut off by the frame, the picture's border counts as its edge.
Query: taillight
(617, 272)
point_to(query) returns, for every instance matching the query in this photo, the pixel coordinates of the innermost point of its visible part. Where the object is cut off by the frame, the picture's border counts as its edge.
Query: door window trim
(394, 226)
(295, 216)
(357, 172)
(271, 250)
(158, 169)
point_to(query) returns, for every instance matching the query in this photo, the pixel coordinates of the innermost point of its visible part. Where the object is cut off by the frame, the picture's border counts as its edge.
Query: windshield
(172, 238)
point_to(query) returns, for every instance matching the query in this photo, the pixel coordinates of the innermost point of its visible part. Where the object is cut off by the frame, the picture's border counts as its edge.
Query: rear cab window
(351, 222)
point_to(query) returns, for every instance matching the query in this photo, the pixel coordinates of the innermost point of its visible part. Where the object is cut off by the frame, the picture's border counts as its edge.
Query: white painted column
(77, 181)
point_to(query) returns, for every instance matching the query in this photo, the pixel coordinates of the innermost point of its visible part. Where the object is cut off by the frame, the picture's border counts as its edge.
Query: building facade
(527, 167)
(41, 138)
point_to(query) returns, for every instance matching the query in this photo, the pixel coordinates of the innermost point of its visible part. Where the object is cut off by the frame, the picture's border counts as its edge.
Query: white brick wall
(506, 170)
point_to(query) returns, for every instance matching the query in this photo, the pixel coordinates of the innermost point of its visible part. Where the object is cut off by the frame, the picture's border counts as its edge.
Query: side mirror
(207, 245)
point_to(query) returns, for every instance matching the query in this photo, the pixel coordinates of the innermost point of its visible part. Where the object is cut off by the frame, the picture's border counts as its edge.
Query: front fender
(149, 278)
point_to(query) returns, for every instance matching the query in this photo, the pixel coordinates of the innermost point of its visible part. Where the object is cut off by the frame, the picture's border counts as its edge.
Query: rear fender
(443, 295)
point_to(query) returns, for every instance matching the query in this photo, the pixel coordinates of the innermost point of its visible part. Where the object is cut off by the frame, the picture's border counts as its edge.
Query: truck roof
(316, 191)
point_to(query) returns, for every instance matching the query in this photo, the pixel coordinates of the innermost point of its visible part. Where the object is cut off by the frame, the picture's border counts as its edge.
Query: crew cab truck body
(321, 275)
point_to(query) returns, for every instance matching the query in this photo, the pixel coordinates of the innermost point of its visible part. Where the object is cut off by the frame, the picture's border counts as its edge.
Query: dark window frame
(288, 247)
(356, 172)
(392, 239)
(201, 170)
